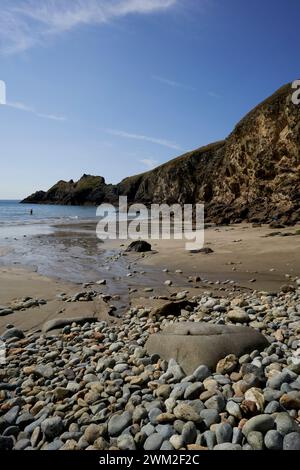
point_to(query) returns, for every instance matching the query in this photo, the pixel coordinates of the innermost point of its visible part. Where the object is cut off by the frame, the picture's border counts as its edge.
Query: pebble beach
(93, 385)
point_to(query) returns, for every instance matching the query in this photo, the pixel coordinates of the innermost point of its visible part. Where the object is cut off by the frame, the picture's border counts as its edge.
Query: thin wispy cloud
(153, 140)
(28, 109)
(149, 163)
(27, 23)
(172, 83)
(213, 94)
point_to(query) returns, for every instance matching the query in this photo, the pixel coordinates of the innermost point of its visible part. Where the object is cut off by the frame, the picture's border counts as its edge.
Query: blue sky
(114, 87)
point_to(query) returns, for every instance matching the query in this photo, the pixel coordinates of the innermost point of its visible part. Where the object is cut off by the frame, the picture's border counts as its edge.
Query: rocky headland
(253, 175)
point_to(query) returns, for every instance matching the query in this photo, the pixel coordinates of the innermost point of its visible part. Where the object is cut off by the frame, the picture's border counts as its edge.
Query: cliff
(252, 175)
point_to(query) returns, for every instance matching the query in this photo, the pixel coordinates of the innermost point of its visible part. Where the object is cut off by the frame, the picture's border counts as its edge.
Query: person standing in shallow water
(31, 212)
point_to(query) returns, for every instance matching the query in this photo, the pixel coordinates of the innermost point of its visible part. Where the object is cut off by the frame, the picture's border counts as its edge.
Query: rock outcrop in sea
(252, 175)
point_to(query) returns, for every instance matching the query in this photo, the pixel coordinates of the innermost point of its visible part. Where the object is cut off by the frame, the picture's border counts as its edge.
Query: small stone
(256, 440)
(92, 433)
(35, 437)
(165, 430)
(52, 427)
(272, 407)
(24, 419)
(193, 391)
(227, 365)
(118, 423)
(175, 370)
(177, 441)
(210, 417)
(227, 446)
(9, 418)
(153, 442)
(45, 371)
(216, 402)
(279, 378)
(101, 444)
(196, 447)
(237, 436)
(165, 418)
(70, 444)
(139, 246)
(22, 444)
(73, 387)
(12, 332)
(126, 442)
(166, 445)
(153, 414)
(274, 440)
(291, 441)
(201, 373)
(60, 393)
(261, 423)
(223, 433)
(233, 409)
(238, 315)
(210, 439)
(186, 413)
(285, 424)
(163, 391)
(248, 409)
(255, 395)
(139, 413)
(189, 433)
(291, 400)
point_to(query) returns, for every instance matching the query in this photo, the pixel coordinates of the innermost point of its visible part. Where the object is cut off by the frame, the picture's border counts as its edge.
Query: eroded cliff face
(253, 175)
(260, 173)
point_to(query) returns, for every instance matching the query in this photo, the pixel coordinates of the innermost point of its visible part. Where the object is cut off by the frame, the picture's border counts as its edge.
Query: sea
(60, 242)
(16, 218)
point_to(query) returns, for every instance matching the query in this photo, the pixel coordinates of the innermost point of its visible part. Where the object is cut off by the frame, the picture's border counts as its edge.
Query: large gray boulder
(192, 344)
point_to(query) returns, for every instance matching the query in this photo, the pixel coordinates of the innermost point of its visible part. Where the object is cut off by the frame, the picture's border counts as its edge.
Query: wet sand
(44, 266)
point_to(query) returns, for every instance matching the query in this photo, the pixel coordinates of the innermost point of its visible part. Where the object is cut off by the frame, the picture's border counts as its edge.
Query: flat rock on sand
(192, 344)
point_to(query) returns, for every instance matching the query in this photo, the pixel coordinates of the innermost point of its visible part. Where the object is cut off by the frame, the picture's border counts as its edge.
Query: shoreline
(100, 365)
(244, 259)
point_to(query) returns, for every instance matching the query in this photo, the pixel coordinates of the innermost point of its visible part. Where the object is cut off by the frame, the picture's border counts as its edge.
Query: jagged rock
(140, 246)
(227, 365)
(231, 177)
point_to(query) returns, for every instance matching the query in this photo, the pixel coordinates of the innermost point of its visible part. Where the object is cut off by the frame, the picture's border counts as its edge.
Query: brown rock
(196, 447)
(227, 365)
(291, 400)
(255, 395)
(165, 418)
(230, 176)
(186, 413)
(249, 408)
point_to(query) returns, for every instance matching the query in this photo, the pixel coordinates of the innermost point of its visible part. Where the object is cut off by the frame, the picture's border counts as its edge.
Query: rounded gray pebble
(291, 441)
(274, 440)
(153, 442)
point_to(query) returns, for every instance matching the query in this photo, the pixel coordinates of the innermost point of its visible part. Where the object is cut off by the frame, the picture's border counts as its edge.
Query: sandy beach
(243, 259)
